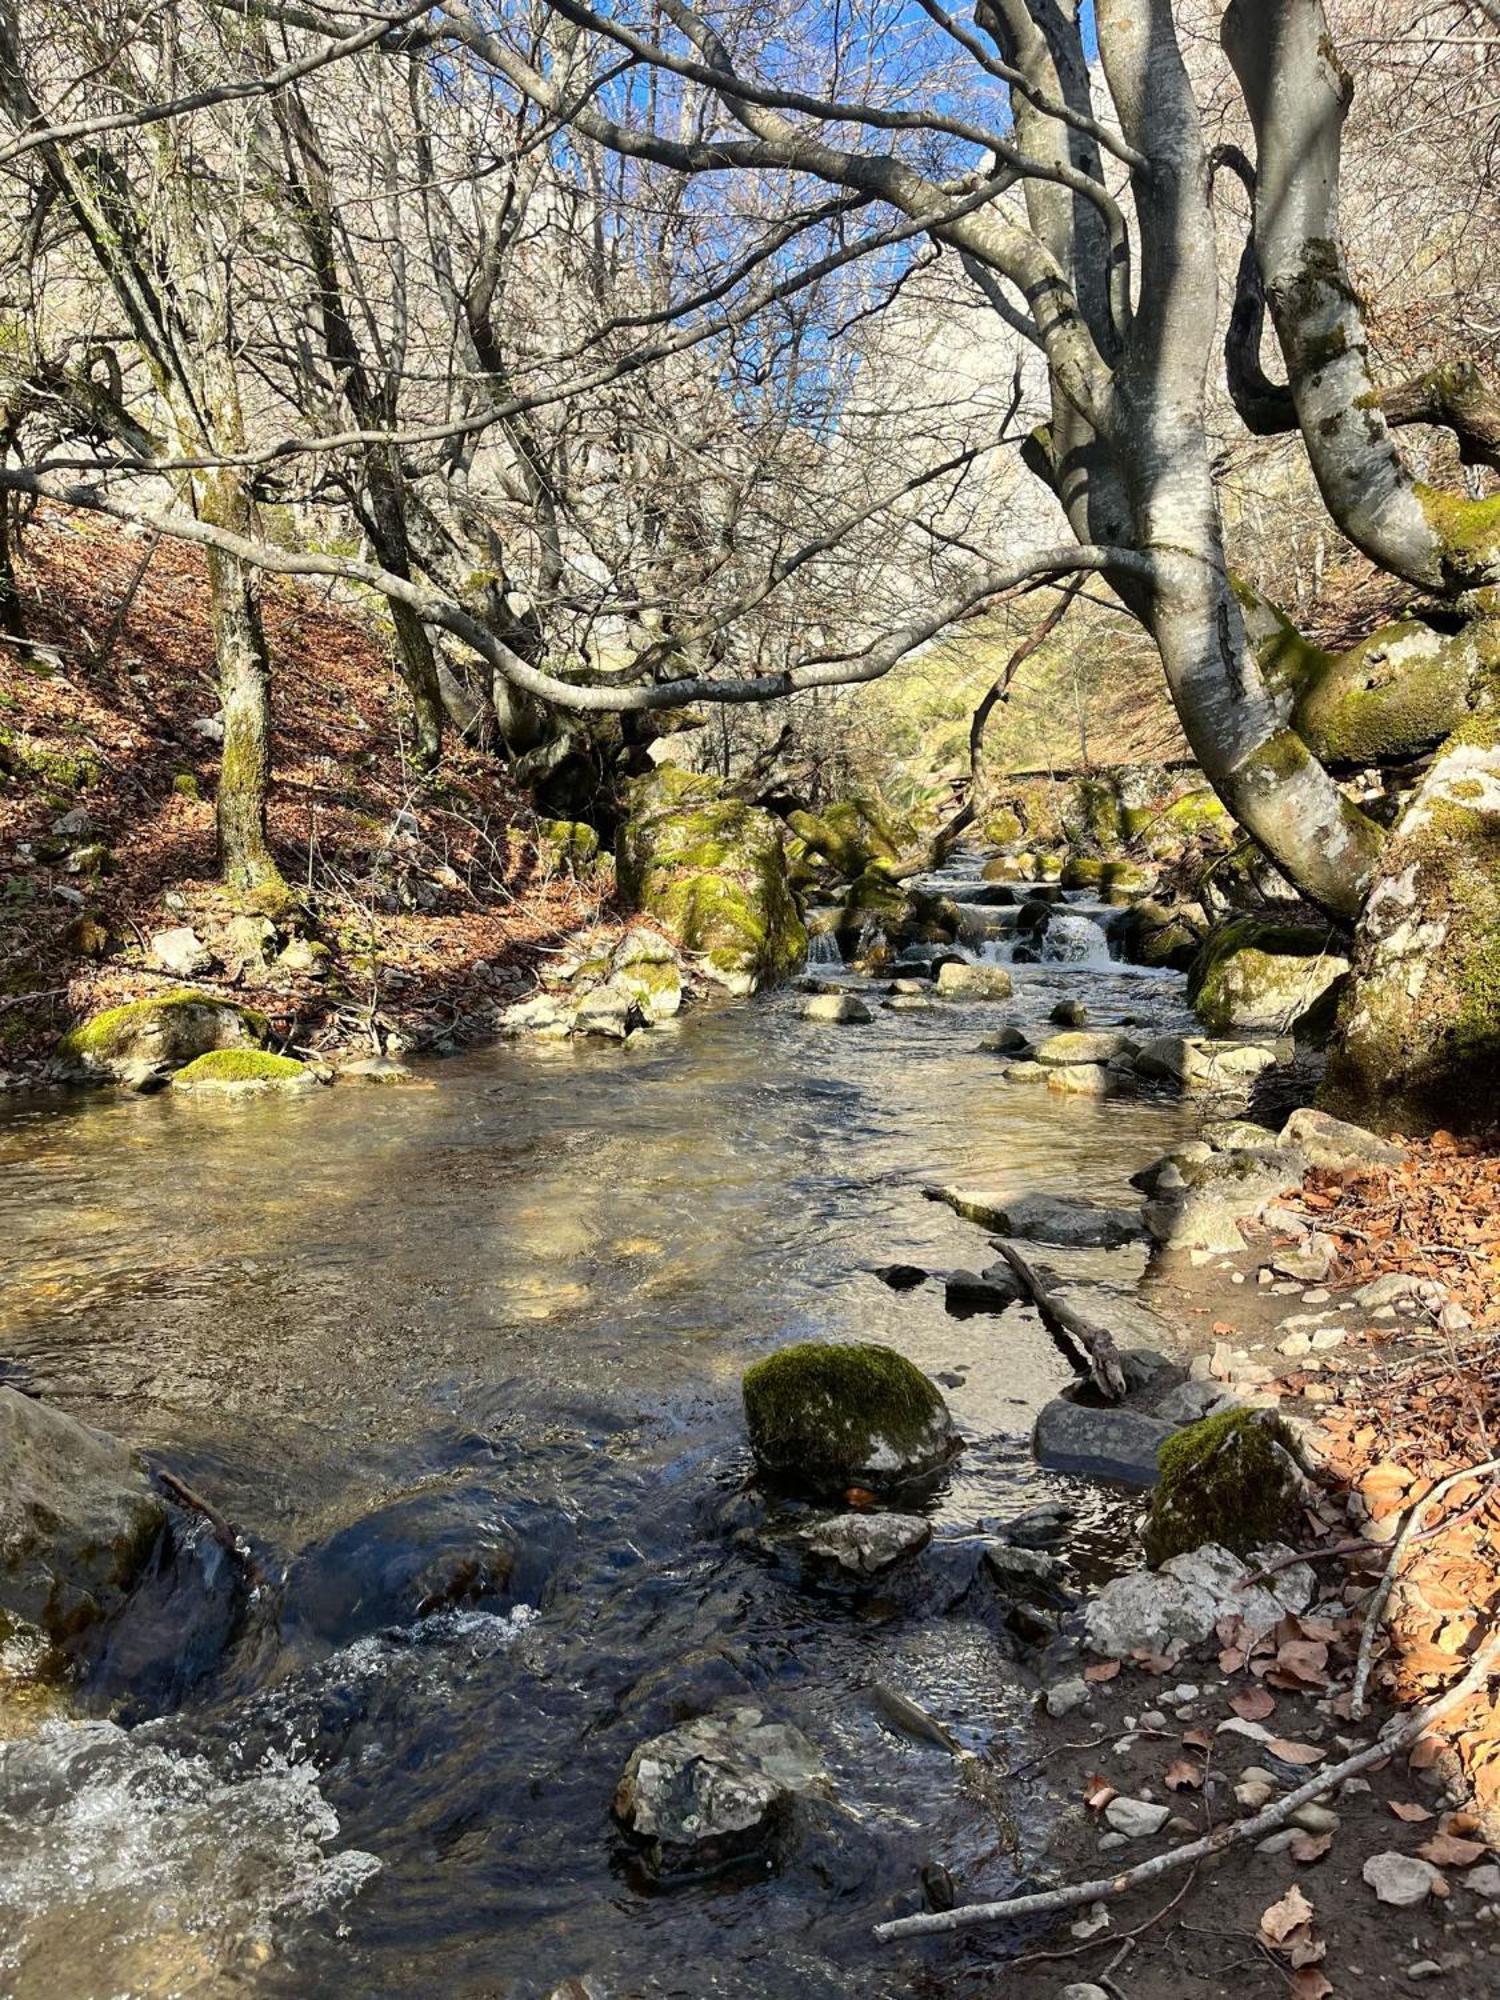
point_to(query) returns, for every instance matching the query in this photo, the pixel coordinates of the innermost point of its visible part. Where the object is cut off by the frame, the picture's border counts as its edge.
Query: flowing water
(511, 1307)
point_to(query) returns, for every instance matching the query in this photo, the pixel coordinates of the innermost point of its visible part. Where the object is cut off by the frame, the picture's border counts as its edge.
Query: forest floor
(431, 894)
(1403, 1398)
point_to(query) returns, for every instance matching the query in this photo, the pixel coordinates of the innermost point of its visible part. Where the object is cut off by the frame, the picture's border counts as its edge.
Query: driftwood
(1066, 1323)
(1398, 1735)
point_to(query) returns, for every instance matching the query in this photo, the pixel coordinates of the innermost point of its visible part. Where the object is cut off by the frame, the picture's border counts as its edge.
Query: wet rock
(181, 952)
(824, 1417)
(840, 1007)
(549, 1016)
(1027, 1072)
(375, 1069)
(1402, 1880)
(1070, 1014)
(1103, 1443)
(1062, 1051)
(861, 1544)
(972, 1291)
(241, 1073)
(1167, 1612)
(900, 1277)
(158, 1035)
(1137, 1819)
(1067, 1697)
(716, 1789)
(1231, 1189)
(1195, 1064)
(1008, 1041)
(1335, 1145)
(183, 1611)
(79, 1518)
(1057, 1219)
(974, 982)
(1081, 1079)
(611, 1011)
(1037, 1525)
(1011, 1566)
(909, 1003)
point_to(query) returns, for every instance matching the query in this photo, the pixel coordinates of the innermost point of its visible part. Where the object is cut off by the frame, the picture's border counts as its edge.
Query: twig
(1096, 1341)
(1395, 1736)
(233, 1543)
(1125, 1939)
(1387, 1582)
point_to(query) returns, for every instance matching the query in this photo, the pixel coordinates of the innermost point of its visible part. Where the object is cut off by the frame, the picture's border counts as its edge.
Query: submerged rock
(716, 1789)
(1103, 1443)
(1228, 1479)
(823, 1418)
(79, 1518)
(1167, 1612)
(1068, 1223)
(860, 1544)
(158, 1035)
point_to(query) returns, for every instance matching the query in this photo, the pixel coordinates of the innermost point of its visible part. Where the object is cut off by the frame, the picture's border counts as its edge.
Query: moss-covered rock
(1418, 1039)
(1165, 935)
(712, 872)
(1082, 871)
(1004, 827)
(1229, 1479)
(159, 1034)
(1255, 974)
(242, 1069)
(566, 843)
(849, 835)
(823, 1418)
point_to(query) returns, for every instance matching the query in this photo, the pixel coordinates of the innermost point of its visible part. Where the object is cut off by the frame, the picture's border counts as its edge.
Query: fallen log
(1067, 1324)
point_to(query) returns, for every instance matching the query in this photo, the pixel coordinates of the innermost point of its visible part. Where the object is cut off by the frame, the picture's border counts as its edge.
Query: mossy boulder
(712, 872)
(1082, 871)
(238, 1070)
(566, 844)
(849, 835)
(158, 1035)
(825, 1417)
(1004, 827)
(1165, 935)
(1230, 1479)
(1255, 974)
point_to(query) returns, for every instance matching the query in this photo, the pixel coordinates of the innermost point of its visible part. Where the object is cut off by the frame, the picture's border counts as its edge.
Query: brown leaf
(1425, 1753)
(1309, 1984)
(1252, 1704)
(1280, 1919)
(1310, 1846)
(1103, 1670)
(1409, 1810)
(1306, 1659)
(1197, 1739)
(1446, 1850)
(1097, 1792)
(1183, 1775)
(1295, 1753)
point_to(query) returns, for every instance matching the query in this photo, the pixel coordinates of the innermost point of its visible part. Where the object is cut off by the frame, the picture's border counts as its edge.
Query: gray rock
(610, 1011)
(1009, 1041)
(1080, 1079)
(862, 1544)
(1333, 1144)
(715, 1788)
(180, 951)
(78, 1520)
(1196, 1064)
(837, 1007)
(974, 982)
(910, 1003)
(1079, 1046)
(1056, 1219)
(1188, 1403)
(1010, 1565)
(1308, 1265)
(1067, 1697)
(1167, 1612)
(1027, 1072)
(1083, 1989)
(1102, 1443)
(1402, 1880)
(973, 1291)
(1137, 1819)
(1070, 1014)
(1397, 1288)
(1484, 1881)
(543, 1014)
(1231, 1189)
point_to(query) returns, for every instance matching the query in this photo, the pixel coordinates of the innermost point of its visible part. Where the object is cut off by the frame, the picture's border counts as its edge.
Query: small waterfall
(823, 954)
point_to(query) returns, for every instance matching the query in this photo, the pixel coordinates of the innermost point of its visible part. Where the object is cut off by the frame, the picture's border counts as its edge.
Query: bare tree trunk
(244, 670)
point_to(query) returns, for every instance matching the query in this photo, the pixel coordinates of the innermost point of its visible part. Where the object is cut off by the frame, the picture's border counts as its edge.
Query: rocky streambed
(457, 1373)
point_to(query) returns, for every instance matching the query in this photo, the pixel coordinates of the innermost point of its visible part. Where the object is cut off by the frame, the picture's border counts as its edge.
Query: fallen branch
(1387, 1582)
(1396, 1736)
(1063, 1321)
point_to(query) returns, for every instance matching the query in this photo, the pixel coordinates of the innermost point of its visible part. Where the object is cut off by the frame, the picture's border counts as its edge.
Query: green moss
(1230, 1480)
(186, 786)
(567, 843)
(241, 1066)
(70, 770)
(824, 1416)
(109, 1034)
(1255, 973)
(1003, 827)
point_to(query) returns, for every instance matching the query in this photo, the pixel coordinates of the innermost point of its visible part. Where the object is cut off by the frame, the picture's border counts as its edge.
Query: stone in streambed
(716, 1789)
(1168, 1612)
(1101, 1443)
(1335, 1145)
(79, 1519)
(243, 1072)
(1007, 1042)
(1082, 1079)
(861, 1544)
(825, 1417)
(1042, 1218)
(981, 1291)
(1076, 1046)
(1229, 1479)
(837, 1007)
(158, 1035)
(974, 982)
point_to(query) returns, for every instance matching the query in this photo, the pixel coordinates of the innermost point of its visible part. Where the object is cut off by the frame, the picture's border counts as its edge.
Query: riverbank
(421, 907)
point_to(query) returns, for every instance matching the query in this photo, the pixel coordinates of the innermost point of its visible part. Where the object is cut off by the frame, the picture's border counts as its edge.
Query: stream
(509, 1307)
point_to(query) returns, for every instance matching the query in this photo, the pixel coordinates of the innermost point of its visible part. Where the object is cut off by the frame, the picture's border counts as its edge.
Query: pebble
(1094, 1920)
(1424, 1968)
(1184, 1691)
(1107, 1841)
(1153, 1719)
(1327, 1337)
(1065, 1696)
(1278, 1842)
(1313, 1818)
(1484, 1881)
(1318, 1296)
(1136, 1818)
(1254, 1794)
(1402, 1880)
(1084, 1990)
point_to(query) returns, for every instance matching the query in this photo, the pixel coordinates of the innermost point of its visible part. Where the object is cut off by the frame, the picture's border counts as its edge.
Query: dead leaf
(1294, 1753)
(1252, 1704)
(1446, 1850)
(1310, 1984)
(1097, 1792)
(1310, 1846)
(1183, 1775)
(1408, 1810)
(1280, 1919)
(1197, 1739)
(1104, 1670)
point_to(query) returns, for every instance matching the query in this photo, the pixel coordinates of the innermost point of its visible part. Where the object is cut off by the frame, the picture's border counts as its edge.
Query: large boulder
(1194, 1063)
(1164, 935)
(957, 981)
(712, 872)
(1219, 1194)
(148, 1038)
(849, 835)
(1255, 974)
(243, 1072)
(79, 1519)
(716, 1789)
(1230, 1479)
(825, 1417)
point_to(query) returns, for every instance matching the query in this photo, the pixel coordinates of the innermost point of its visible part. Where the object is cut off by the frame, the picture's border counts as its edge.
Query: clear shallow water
(524, 1295)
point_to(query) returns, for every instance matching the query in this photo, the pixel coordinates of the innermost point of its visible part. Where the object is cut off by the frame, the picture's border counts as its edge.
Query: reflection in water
(540, 1280)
